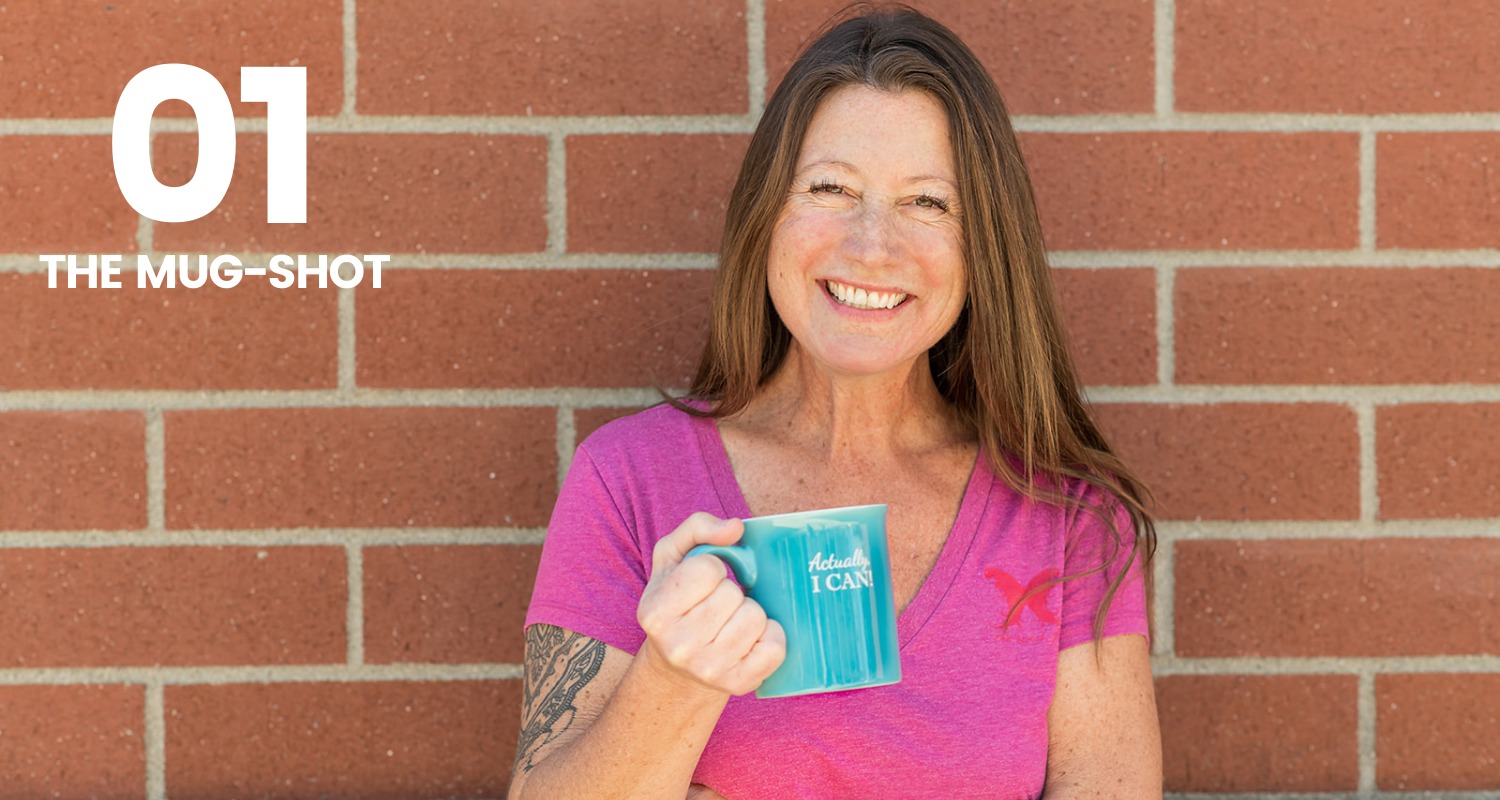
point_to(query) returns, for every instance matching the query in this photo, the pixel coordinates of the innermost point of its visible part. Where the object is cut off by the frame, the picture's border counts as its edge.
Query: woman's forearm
(645, 743)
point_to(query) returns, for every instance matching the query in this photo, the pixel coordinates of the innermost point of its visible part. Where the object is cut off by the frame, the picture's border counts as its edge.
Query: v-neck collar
(944, 572)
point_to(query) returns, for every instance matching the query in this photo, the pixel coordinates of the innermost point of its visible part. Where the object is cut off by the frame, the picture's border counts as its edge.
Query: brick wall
(279, 543)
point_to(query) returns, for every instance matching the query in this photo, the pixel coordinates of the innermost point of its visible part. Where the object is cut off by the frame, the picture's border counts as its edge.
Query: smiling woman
(871, 218)
(883, 331)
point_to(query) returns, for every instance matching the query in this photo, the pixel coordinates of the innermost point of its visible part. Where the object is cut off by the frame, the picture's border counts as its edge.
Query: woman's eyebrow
(939, 178)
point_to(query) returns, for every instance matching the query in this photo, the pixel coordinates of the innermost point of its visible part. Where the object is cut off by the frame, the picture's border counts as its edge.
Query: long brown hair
(1004, 365)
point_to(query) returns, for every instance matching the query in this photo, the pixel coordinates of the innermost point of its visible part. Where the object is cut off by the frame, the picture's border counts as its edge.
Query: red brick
(1340, 57)
(588, 420)
(58, 195)
(650, 193)
(73, 741)
(1373, 597)
(518, 328)
(1437, 732)
(72, 470)
(248, 337)
(1048, 58)
(1214, 191)
(1337, 325)
(365, 467)
(1241, 461)
(570, 57)
(1437, 190)
(375, 193)
(1240, 733)
(141, 606)
(1438, 460)
(456, 604)
(1110, 316)
(75, 58)
(317, 740)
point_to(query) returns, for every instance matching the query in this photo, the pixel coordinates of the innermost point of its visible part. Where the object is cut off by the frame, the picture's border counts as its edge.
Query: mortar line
(171, 399)
(1166, 314)
(755, 44)
(567, 435)
(557, 194)
(145, 227)
(194, 676)
(1369, 476)
(1166, 57)
(156, 470)
(332, 537)
(346, 353)
(1367, 190)
(1292, 259)
(145, 234)
(1326, 665)
(154, 739)
(1480, 528)
(31, 262)
(1446, 794)
(1365, 731)
(1166, 598)
(351, 61)
(1291, 393)
(354, 620)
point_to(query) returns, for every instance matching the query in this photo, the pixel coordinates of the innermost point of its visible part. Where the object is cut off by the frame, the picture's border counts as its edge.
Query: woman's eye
(928, 201)
(831, 188)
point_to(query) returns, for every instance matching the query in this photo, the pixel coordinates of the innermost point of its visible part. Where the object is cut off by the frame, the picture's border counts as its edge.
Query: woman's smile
(860, 298)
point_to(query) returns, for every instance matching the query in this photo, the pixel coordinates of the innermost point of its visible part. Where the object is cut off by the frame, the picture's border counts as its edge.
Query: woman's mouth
(855, 297)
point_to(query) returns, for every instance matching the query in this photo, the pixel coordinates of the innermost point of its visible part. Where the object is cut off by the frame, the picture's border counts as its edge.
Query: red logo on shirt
(1013, 590)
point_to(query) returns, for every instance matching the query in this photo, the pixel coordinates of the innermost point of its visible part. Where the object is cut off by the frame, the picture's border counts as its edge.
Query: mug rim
(786, 514)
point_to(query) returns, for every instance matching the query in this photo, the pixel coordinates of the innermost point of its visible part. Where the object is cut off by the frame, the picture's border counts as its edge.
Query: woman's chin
(860, 363)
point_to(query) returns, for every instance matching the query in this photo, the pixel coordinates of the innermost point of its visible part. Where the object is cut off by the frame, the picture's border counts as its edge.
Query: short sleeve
(592, 570)
(1091, 544)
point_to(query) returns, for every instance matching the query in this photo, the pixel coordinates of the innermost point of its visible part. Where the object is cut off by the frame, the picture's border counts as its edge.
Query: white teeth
(859, 298)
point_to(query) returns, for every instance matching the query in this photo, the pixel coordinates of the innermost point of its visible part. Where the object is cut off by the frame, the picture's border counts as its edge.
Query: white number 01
(282, 89)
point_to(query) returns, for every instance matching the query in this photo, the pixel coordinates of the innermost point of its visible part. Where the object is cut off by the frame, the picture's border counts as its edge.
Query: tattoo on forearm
(559, 663)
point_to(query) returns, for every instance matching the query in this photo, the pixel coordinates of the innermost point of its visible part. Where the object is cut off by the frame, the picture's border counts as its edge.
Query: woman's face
(866, 264)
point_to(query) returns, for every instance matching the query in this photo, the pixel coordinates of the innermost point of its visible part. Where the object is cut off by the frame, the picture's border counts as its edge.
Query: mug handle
(740, 560)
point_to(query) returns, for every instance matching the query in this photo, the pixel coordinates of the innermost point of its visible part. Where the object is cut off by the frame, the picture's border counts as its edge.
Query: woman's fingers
(768, 652)
(674, 594)
(745, 626)
(700, 528)
(698, 621)
(694, 630)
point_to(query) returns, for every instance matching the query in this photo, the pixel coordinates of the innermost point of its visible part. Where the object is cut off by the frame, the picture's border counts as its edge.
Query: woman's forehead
(859, 128)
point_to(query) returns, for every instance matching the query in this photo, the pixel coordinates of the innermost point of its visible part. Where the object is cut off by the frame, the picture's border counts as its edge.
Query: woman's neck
(854, 417)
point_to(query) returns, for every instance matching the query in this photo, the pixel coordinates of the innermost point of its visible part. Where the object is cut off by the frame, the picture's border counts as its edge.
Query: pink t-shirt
(969, 717)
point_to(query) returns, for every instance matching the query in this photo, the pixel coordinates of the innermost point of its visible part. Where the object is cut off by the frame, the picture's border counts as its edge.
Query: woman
(883, 332)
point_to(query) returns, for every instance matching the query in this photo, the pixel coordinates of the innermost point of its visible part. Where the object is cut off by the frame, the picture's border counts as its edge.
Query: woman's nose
(872, 235)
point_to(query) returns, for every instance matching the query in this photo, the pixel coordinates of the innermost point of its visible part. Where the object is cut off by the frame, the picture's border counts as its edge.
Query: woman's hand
(700, 628)
(700, 792)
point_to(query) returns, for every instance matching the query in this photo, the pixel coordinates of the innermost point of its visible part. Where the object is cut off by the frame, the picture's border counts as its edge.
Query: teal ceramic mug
(826, 577)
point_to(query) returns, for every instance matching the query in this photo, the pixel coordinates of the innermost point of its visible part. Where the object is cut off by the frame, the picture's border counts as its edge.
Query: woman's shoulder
(660, 429)
(1067, 498)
